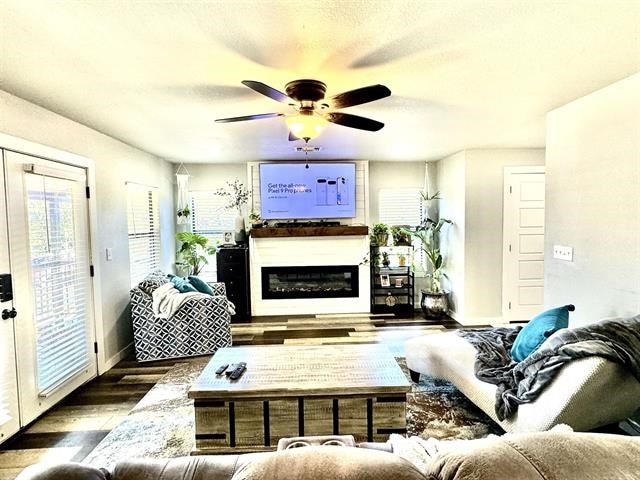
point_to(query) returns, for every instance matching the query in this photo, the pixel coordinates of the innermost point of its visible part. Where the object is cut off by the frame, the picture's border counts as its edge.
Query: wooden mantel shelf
(337, 231)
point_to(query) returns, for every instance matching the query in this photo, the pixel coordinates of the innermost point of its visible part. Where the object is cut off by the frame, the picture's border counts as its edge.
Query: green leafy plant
(254, 217)
(380, 234)
(385, 259)
(400, 235)
(428, 233)
(184, 212)
(236, 194)
(194, 250)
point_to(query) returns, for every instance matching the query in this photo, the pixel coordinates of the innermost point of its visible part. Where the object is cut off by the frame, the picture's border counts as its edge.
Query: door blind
(210, 218)
(57, 229)
(144, 231)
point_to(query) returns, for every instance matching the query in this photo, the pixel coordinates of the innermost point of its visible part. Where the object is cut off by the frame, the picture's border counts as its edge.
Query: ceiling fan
(313, 111)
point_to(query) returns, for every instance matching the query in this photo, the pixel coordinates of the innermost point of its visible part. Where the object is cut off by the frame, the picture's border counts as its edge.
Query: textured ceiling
(463, 74)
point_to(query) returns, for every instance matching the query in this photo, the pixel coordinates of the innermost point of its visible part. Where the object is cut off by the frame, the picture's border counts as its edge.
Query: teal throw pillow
(182, 284)
(200, 285)
(536, 331)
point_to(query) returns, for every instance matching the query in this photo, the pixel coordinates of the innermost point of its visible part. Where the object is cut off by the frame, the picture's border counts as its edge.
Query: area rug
(161, 425)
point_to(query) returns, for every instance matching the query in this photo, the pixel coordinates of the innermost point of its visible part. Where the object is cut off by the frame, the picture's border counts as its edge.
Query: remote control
(221, 369)
(231, 368)
(238, 371)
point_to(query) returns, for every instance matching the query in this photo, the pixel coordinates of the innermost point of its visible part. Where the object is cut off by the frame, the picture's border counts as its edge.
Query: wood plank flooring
(74, 427)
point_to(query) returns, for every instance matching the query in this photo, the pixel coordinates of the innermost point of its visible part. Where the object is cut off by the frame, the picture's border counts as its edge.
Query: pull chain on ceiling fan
(307, 97)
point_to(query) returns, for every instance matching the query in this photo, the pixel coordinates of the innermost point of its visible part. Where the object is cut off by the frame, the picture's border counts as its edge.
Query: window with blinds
(210, 218)
(59, 250)
(402, 207)
(144, 231)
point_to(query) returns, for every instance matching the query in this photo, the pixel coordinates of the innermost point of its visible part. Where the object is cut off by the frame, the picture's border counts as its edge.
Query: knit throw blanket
(617, 340)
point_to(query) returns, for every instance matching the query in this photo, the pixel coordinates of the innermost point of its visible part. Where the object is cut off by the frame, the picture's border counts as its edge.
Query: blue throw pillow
(182, 284)
(536, 331)
(200, 285)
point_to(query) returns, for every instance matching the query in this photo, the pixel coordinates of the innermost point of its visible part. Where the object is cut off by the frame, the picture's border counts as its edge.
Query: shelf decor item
(380, 234)
(400, 235)
(237, 196)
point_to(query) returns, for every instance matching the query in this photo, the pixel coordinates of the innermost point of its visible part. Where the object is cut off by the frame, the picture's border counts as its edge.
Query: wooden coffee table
(298, 390)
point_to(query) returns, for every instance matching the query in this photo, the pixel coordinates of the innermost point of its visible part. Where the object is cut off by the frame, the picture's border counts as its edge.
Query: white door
(523, 249)
(50, 261)
(9, 419)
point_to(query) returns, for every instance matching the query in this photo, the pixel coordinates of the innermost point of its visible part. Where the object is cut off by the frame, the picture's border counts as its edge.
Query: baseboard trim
(111, 362)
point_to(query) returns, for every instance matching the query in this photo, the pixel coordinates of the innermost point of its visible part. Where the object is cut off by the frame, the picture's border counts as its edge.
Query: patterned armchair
(199, 327)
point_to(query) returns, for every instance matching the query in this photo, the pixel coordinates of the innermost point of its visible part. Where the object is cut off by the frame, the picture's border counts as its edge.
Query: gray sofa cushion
(539, 456)
(329, 463)
(63, 471)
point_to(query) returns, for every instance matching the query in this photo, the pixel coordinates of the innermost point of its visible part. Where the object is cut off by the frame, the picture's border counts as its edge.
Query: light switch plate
(109, 252)
(562, 252)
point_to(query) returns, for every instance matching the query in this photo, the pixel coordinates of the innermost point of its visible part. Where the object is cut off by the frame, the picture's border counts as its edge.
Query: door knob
(7, 314)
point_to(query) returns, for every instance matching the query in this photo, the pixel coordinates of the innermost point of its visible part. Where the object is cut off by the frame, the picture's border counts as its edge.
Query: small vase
(434, 305)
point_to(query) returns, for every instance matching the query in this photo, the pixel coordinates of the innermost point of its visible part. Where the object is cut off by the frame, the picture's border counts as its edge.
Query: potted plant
(380, 234)
(193, 251)
(400, 235)
(254, 218)
(385, 259)
(434, 301)
(237, 196)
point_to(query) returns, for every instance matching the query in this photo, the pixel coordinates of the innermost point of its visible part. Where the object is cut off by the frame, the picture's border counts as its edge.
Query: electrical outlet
(562, 252)
(109, 254)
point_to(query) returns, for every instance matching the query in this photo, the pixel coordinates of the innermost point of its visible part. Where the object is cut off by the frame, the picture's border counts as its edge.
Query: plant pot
(434, 305)
(381, 239)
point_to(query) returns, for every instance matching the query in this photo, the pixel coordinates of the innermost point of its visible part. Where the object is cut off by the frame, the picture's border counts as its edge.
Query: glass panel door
(9, 418)
(49, 245)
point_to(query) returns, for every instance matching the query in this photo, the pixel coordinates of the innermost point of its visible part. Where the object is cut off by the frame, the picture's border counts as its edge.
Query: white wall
(483, 231)
(213, 176)
(115, 164)
(593, 203)
(451, 184)
(471, 186)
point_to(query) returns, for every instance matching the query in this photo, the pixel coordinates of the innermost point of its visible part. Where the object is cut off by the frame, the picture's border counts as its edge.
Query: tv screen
(291, 191)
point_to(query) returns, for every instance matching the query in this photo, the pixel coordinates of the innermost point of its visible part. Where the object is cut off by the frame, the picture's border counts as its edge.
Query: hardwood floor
(69, 431)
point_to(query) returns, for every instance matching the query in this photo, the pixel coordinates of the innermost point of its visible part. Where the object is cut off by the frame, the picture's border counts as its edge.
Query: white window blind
(144, 230)
(400, 207)
(59, 250)
(403, 207)
(210, 218)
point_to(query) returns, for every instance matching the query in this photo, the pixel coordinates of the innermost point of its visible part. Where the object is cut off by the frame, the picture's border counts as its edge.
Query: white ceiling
(463, 74)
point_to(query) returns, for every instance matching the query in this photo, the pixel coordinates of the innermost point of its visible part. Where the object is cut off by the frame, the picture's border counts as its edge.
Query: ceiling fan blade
(249, 117)
(292, 137)
(268, 91)
(354, 121)
(359, 96)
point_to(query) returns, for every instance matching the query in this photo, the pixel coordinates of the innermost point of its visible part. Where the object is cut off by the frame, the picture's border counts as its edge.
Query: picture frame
(228, 238)
(384, 280)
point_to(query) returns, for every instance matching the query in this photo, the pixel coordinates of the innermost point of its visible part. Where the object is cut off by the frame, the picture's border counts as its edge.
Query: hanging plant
(184, 212)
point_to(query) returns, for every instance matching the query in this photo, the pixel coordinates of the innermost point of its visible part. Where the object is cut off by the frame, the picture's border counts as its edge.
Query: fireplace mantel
(337, 231)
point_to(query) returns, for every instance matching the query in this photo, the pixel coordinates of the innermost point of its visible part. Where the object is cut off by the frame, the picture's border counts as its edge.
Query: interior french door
(50, 260)
(9, 419)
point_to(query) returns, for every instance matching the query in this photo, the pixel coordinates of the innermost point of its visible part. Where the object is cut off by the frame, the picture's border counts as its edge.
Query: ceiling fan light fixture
(306, 124)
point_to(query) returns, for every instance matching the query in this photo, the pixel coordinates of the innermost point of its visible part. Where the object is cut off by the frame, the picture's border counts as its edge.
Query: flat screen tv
(292, 191)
